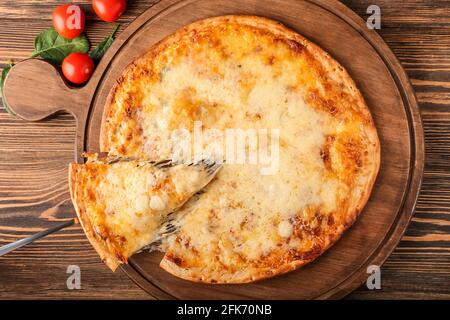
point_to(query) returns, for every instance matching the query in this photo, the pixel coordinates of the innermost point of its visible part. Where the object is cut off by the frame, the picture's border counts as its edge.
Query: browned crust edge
(101, 247)
(358, 200)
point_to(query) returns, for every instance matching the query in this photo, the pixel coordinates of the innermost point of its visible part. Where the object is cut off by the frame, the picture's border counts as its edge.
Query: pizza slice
(124, 206)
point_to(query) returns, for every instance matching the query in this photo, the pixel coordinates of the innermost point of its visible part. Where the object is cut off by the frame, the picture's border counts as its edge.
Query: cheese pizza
(249, 73)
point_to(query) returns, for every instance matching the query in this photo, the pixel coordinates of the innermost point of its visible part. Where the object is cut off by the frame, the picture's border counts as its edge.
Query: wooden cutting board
(34, 90)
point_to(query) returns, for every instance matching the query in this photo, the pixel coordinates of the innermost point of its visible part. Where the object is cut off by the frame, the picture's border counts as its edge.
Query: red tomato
(109, 10)
(78, 67)
(69, 20)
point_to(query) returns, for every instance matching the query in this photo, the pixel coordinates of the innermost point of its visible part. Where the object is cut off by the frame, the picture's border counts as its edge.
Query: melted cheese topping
(127, 202)
(234, 73)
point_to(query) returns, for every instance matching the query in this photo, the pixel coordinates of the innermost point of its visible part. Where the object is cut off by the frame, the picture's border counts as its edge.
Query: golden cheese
(124, 206)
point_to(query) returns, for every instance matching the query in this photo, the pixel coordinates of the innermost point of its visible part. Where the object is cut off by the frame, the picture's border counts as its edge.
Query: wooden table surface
(34, 159)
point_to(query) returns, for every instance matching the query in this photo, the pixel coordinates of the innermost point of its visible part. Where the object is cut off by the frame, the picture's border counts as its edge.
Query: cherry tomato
(109, 10)
(78, 67)
(69, 20)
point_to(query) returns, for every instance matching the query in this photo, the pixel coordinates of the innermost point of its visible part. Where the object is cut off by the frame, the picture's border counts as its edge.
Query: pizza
(126, 205)
(249, 73)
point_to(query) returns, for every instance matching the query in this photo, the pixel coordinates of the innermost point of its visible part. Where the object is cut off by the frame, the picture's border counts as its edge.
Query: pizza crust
(250, 274)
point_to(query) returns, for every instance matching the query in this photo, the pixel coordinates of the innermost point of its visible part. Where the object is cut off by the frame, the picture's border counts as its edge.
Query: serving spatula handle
(51, 212)
(22, 242)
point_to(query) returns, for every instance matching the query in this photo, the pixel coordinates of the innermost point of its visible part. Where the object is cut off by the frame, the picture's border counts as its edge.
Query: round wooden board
(391, 100)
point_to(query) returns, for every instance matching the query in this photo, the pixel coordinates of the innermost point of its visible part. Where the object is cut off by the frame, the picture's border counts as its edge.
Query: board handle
(35, 90)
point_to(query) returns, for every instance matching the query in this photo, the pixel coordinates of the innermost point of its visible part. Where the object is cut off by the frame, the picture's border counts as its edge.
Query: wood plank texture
(418, 31)
(34, 158)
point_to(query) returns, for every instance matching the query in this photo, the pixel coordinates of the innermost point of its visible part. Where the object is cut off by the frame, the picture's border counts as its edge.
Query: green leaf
(52, 47)
(2, 82)
(4, 74)
(100, 50)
